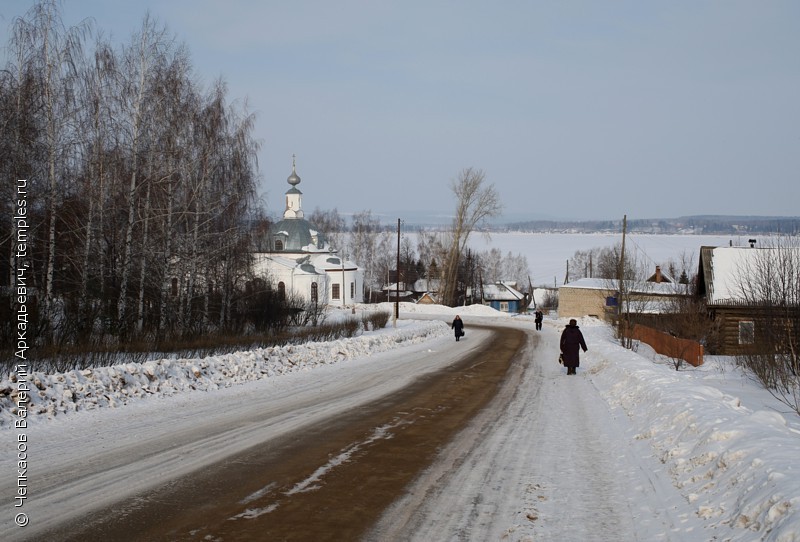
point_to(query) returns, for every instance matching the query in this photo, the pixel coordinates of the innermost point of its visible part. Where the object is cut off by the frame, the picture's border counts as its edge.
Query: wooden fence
(667, 345)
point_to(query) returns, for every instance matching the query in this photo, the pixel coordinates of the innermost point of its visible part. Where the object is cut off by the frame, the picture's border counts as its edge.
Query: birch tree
(362, 245)
(332, 223)
(139, 62)
(52, 54)
(475, 203)
(97, 125)
(144, 179)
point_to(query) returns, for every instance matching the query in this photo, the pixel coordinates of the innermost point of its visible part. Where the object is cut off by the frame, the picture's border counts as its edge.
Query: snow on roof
(731, 268)
(727, 263)
(499, 291)
(324, 260)
(304, 265)
(590, 283)
(652, 288)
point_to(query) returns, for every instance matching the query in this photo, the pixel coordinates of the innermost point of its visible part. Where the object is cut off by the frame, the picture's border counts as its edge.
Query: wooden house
(504, 297)
(743, 290)
(420, 291)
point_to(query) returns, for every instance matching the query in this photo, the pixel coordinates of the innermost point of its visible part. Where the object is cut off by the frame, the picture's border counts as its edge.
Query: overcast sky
(578, 110)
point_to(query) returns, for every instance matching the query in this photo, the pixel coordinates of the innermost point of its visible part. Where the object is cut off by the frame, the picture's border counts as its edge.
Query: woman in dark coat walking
(458, 326)
(571, 344)
(539, 317)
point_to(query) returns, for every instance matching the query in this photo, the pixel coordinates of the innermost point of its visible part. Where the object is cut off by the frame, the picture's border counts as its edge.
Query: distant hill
(700, 224)
(696, 224)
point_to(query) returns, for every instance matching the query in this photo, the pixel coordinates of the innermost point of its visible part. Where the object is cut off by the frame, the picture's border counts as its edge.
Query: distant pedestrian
(458, 326)
(571, 344)
(539, 317)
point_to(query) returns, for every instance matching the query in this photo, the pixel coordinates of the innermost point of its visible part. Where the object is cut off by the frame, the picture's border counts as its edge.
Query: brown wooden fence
(667, 345)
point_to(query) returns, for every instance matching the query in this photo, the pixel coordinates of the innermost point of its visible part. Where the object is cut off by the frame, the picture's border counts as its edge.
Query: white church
(302, 263)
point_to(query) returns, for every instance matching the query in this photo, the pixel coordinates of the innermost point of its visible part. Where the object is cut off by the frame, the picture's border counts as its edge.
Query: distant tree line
(699, 225)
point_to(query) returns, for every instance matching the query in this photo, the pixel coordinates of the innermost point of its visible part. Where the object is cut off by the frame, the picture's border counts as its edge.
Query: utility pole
(530, 289)
(344, 282)
(397, 291)
(621, 272)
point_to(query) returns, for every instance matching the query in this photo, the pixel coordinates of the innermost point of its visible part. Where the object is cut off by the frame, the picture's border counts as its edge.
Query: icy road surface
(547, 459)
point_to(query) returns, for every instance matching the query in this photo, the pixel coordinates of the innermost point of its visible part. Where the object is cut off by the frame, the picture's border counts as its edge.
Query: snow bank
(117, 385)
(728, 450)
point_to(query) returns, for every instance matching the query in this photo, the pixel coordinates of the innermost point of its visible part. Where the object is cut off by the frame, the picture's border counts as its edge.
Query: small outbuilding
(504, 297)
(600, 298)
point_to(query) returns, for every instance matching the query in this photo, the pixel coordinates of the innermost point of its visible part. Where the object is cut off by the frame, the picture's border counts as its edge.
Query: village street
(435, 441)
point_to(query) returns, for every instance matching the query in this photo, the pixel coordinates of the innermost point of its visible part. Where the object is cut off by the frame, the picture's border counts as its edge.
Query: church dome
(297, 235)
(294, 233)
(294, 178)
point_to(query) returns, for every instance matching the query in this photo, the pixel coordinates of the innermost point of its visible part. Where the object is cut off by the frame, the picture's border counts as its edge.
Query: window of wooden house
(747, 332)
(335, 291)
(174, 287)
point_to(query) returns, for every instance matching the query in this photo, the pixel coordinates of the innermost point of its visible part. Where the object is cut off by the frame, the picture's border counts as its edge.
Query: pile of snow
(118, 385)
(730, 448)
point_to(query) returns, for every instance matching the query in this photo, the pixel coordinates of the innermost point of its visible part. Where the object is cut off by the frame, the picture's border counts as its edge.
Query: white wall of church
(351, 292)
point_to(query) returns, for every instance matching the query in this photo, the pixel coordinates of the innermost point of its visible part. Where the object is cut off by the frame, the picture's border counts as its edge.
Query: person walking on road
(571, 344)
(458, 326)
(538, 320)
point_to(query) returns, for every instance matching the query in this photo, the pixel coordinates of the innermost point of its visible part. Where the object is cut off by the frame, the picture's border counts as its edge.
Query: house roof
(665, 277)
(650, 288)
(501, 291)
(418, 286)
(731, 275)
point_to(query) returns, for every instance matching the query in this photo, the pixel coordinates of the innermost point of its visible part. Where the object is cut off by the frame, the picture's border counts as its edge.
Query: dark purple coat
(458, 326)
(571, 344)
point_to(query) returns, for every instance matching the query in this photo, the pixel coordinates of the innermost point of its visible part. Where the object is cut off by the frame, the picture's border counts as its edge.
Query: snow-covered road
(547, 461)
(83, 461)
(628, 449)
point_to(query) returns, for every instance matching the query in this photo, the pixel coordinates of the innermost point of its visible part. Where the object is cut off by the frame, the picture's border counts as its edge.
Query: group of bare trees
(598, 262)
(140, 183)
(769, 283)
(442, 256)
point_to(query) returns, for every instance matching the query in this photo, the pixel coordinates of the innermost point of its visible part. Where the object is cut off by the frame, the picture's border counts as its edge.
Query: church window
(314, 294)
(174, 286)
(352, 290)
(278, 245)
(335, 291)
(281, 290)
